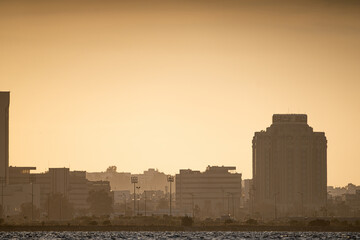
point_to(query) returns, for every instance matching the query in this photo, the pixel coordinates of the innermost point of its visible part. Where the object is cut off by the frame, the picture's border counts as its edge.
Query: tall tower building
(289, 168)
(4, 135)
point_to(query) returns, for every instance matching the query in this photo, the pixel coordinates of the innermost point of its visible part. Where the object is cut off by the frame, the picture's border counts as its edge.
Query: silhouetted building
(151, 179)
(246, 192)
(72, 185)
(4, 135)
(212, 193)
(20, 175)
(289, 168)
(14, 195)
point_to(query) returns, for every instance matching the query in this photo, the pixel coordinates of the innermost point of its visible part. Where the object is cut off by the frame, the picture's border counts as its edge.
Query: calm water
(177, 235)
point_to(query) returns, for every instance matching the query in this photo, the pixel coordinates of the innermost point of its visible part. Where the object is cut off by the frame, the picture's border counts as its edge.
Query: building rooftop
(289, 118)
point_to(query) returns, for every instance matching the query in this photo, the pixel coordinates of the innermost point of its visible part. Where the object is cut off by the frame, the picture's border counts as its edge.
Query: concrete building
(20, 175)
(289, 168)
(4, 135)
(246, 192)
(14, 195)
(73, 185)
(151, 179)
(213, 193)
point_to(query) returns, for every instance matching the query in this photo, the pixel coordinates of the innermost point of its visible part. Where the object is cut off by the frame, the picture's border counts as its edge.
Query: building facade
(289, 168)
(213, 193)
(4, 136)
(151, 179)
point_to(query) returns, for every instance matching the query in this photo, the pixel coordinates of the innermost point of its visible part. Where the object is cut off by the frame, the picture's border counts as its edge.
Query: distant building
(246, 192)
(212, 193)
(289, 167)
(151, 179)
(118, 180)
(339, 191)
(73, 185)
(20, 175)
(4, 135)
(14, 195)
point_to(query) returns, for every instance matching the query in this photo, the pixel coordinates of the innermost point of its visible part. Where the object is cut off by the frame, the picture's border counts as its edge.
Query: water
(179, 235)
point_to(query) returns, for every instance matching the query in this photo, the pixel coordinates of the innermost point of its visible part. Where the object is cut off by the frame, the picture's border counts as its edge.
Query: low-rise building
(212, 193)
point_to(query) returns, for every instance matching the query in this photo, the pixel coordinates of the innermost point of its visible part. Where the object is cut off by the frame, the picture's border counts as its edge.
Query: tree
(101, 203)
(111, 169)
(163, 203)
(186, 221)
(197, 211)
(59, 208)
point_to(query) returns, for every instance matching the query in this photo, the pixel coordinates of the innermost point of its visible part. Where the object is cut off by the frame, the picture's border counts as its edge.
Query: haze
(176, 84)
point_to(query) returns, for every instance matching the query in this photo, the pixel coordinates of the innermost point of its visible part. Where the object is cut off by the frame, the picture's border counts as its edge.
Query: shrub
(106, 222)
(251, 222)
(319, 223)
(93, 223)
(186, 221)
(229, 221)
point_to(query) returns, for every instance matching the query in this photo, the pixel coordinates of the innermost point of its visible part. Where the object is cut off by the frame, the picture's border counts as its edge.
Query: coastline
(159, 228)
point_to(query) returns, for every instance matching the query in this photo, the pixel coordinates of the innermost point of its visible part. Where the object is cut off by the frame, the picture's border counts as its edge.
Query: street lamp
(145, 202)
(228, 206)
(192, 204)
(32, 181)
(302, 203)
(134, 180)
(233, 205)
(275, 195)
(125, 203)
(170, 179)
(2, 179)
(138, 188)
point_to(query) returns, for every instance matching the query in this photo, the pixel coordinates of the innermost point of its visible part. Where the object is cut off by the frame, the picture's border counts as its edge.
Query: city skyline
(173, 86)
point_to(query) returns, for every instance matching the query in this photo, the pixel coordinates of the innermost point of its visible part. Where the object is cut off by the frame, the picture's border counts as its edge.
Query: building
(118, 180)
(71, 185)
(4, 135)
(289, 168)
(151, 179)
(213, 193)
(14, 195)
(246, 192)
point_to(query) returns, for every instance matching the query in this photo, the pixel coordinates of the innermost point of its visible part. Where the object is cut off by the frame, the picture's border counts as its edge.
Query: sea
(179, 235)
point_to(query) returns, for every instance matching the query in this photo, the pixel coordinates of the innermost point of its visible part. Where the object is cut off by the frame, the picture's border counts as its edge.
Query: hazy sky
(177, 84)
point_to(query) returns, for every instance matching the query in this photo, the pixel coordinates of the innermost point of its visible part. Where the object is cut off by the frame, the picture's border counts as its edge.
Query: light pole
(223, 201)
(138, 188)
(252, 196)
(192, 198)
(302, 203)
(2, 179)
(170, 179)
(326, 203)
(275, 195)
(125, 204)
(228, 206)
(233, 206)
(48, 213)
(145, 202)
(32, 181)
(134, 180)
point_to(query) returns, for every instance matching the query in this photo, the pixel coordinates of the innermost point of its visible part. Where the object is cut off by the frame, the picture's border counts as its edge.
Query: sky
(177, 84)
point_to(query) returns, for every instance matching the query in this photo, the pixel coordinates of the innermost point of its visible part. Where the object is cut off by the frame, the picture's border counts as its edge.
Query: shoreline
(136, 228)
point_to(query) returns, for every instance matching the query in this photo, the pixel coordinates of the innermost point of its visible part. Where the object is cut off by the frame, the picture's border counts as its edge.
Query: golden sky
(177, 84)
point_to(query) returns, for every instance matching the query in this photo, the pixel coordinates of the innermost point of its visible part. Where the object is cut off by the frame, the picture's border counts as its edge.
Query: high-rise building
(289, 168)
(4, 136)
